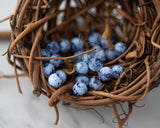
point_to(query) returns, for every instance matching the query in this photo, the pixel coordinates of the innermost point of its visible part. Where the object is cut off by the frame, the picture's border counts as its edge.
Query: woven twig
(138, 20)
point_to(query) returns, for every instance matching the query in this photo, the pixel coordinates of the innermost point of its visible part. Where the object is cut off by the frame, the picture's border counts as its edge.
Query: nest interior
(134, 22)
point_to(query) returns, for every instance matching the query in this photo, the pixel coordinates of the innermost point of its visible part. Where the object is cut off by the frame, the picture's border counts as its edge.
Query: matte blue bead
(45, 53)
(79, 89)
(110, 55)
(100, 55)
(78, 58)
(120, 48)
(62, 75)
(104, 43)
(86, 57)
(94, 37)
(77, 44)
(106, 74)
(48, 69)
(117, 71)
(82, 79)
(54, 80)
(53, 47)
(95, 83)
(65, 46)
(95, 64)
(55, 62)
(81, 68)
(97, 47)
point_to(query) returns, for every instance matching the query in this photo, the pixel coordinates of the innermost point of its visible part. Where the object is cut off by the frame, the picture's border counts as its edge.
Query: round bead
(62, 75)
(110, 55)
(104, 43)
(77, 44)
(79, 89)
(86, 57)
(95, 83)
(81, 68)
(53, 47)
(119, 48)
(55, 62)
(105, 74)
(101, 55)
(48, 69)
(45, 53)
(95, 64)
(65, 46)
(82, 79)
(117, 71)
(54, 80)
(78, 58)
(94, 37)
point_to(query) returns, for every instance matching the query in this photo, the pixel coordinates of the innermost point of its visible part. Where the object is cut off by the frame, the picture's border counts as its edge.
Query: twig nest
(110, 32)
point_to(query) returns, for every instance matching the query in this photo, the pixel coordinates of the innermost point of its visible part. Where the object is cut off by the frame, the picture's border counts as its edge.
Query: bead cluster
(92, 61)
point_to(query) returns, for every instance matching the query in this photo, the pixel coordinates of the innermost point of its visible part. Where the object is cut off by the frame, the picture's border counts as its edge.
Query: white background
(27, 111)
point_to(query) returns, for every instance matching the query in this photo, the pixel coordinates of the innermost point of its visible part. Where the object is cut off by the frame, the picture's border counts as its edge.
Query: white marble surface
(27, 111)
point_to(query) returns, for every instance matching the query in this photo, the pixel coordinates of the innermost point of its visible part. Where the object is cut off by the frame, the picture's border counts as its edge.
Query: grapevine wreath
(88, 52)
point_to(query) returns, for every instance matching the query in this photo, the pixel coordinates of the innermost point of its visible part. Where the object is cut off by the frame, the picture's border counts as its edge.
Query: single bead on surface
(79, 89)
(55, 62)
(94, 37)
(81, 68)
(120, 48)
(77, 44)
(53, 47)
(106, 74)
(62, 75)
(45, 53)
(48, 69)
(65, 46)
(117, 71)
(95, 83)
(95, 64)
(82, 79)
(54, 80)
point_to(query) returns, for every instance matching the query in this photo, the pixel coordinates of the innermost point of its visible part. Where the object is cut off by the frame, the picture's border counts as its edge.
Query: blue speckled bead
(81, 68)
(65, 46)
(48, 69)
(94, 83)
(119, 48)
(100, 55)
(82, 79)
(56, 63)
(79, 89)
(86, 57)
(105, 74)
(104, 43)
(94, 37)
(53, 47)
(117, 71)
(61, 75)
(95, 64)
(110, 55)
(97, 47)
(45, 53)
(54, 80)
(78, 58)
(77, 44)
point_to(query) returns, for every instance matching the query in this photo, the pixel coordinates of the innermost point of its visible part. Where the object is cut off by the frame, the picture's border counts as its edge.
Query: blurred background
(24, 110)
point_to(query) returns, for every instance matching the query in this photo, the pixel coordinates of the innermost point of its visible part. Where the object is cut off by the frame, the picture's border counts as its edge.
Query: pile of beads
(92, 61)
